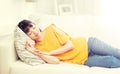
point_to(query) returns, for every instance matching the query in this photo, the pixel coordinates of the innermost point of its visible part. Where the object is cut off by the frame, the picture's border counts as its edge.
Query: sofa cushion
(23, 54)
(62, 68)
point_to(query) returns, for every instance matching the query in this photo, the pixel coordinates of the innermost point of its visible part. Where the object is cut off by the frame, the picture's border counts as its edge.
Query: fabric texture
(26, 56)
(102, 54)
(54, 39)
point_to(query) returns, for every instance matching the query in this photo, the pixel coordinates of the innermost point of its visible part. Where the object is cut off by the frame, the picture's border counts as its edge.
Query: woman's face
(34, 33)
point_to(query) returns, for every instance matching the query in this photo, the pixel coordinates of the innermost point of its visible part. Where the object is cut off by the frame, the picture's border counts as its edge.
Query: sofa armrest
(7, 53)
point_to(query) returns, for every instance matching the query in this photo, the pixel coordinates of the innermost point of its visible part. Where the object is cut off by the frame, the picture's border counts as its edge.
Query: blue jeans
(102, 55)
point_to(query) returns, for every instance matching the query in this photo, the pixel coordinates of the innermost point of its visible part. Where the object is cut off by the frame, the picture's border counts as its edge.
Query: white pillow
(26, 56)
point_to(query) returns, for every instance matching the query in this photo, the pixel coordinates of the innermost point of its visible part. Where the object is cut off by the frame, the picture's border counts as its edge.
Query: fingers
(38, 51)
(41, 52)
(28, 44)
(29, 47)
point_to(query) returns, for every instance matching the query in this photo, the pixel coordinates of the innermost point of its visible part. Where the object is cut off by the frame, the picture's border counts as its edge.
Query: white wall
(107, 21)
(45, 7)
(12, 11)
(80, 7)
(107, 7)
(6, 15)
(85, 7)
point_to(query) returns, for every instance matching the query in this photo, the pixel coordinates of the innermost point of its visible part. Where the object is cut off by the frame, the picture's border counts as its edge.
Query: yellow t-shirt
(54, 39)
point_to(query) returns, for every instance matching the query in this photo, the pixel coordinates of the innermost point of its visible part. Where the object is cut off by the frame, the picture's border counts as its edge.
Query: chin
(38, 40)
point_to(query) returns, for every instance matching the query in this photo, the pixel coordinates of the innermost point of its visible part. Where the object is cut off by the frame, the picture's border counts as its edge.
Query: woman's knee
(113, 62)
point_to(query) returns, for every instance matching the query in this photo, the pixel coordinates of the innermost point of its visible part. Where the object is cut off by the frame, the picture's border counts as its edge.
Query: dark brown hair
(24, 25)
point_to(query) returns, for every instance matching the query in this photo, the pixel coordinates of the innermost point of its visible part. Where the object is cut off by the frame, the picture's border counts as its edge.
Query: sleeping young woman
(54, 45)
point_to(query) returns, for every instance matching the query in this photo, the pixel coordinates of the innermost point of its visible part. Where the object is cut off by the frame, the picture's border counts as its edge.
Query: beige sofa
(10, 64)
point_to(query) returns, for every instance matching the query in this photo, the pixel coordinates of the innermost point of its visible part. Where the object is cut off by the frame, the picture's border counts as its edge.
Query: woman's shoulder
(49, 26)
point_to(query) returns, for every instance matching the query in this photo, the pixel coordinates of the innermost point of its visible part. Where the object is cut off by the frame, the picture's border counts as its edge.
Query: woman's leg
(98, 47)
(103, 61)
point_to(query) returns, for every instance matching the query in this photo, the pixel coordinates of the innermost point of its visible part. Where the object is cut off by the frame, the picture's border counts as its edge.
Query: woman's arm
(65, 48)
(47, 58)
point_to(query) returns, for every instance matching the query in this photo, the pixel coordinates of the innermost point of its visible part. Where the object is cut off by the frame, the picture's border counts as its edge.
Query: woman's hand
(29, 47)
(41, 52)
(44, 55)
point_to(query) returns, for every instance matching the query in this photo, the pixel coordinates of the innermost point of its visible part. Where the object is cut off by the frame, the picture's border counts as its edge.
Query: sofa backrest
(107, 28)
(73, 25)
